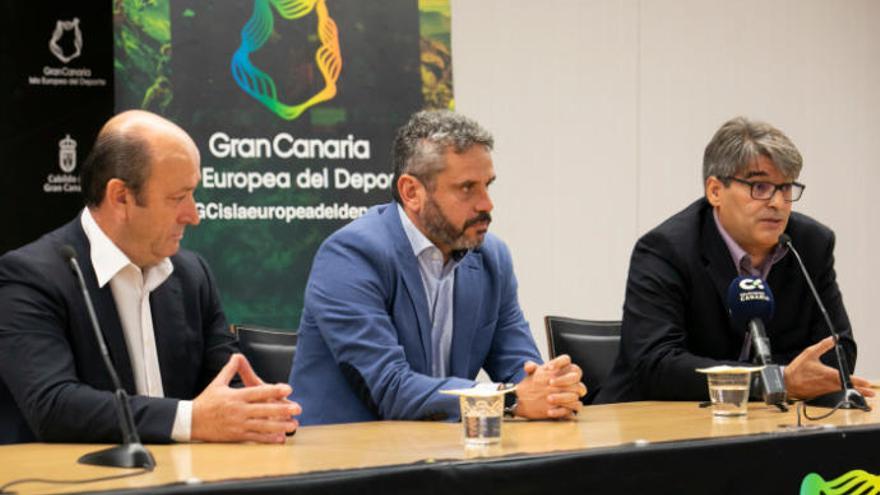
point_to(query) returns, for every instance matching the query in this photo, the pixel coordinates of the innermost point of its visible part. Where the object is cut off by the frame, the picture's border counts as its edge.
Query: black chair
(592, 345)
(270, 351)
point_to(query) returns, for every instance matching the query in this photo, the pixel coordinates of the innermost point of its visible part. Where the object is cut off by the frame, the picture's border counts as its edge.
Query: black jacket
(53, 383)
(675, 318)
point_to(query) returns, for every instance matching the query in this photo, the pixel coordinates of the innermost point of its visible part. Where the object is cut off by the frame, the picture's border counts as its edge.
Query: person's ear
(714, 189)
(412, 192)
(116, 193)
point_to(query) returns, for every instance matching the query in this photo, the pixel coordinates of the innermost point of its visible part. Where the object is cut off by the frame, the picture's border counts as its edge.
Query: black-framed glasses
(791, 191)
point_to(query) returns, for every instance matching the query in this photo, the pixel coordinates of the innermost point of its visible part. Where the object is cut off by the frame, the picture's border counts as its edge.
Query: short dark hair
(115, 155)
(420, 144)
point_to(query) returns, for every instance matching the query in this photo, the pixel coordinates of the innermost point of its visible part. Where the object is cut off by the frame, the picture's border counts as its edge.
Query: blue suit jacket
(365, 338)
(53, 383)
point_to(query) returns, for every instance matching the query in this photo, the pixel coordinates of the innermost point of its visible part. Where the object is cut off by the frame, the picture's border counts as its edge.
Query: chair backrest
(592, 345)
(270, 351)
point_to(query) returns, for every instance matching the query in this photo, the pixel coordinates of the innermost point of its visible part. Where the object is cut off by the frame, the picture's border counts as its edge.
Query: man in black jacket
(157, 304)
(675, 318)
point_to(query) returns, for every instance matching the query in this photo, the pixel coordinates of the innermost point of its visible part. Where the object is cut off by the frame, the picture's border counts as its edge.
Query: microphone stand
(131, 453)
(847, 397)
(771, 374)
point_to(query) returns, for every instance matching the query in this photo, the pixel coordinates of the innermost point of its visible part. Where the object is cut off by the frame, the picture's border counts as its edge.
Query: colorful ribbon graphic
(856, 481)
(260, 85)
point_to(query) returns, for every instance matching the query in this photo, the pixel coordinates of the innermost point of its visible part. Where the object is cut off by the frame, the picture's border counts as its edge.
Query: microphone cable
(802, 410)
(4, 488)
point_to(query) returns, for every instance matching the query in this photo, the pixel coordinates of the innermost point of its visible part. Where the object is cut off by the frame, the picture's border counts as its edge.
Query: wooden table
(320, 452)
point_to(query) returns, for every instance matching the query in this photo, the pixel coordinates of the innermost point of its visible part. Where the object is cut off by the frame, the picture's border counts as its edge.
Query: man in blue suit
(416, 297)
(157, 306)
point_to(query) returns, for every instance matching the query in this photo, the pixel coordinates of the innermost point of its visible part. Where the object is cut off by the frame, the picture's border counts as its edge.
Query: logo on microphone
(751, 290)
(751, 284)
(749, 298)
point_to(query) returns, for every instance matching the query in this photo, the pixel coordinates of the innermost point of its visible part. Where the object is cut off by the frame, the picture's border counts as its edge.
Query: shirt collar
(741, 259)
(107, 259)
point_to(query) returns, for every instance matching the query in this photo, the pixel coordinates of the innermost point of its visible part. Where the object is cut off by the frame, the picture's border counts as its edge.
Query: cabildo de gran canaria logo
(256, 32)
(854, 482)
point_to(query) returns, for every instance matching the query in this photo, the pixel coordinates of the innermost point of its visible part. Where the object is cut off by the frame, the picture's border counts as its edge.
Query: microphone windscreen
(749, 298)
(784, 238)
(67, 252)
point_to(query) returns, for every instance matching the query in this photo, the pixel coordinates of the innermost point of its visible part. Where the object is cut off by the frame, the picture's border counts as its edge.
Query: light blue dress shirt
(439, 282)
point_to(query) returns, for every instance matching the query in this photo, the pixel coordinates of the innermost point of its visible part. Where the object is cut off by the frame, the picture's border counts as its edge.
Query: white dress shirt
(131, 288)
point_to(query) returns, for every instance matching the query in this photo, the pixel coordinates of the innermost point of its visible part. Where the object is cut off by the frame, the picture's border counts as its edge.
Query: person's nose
(777, 200)
(484, 204)
(190, 214)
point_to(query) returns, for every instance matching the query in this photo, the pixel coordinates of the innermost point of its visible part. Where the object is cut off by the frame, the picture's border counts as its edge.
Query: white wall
(601, 110)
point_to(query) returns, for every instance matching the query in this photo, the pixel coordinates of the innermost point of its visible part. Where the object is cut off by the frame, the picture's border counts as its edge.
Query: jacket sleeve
(350, 293)
(38, 365)
(654, 331)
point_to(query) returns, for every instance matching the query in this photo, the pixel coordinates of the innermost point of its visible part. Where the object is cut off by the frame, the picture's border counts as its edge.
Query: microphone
(847, 397)
(750, 303)
(131, 453)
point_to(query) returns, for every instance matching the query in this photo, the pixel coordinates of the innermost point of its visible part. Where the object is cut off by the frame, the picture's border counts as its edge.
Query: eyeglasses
(791, 191)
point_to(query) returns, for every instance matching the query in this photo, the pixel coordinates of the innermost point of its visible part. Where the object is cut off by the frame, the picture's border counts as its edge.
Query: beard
(441, 231)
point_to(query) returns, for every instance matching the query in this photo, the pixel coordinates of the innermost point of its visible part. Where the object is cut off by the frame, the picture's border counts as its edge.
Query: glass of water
(481, 418)
(729, 392)
(482, 409)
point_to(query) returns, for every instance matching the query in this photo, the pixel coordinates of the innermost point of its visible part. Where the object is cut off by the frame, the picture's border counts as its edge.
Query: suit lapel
(468, 298)
(779, 279)
(105, 310)
(412, 279)
(716, 259)
(168, 322)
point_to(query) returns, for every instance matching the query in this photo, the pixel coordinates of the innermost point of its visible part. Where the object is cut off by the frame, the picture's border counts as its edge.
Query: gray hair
(420, 144)
(740, 141)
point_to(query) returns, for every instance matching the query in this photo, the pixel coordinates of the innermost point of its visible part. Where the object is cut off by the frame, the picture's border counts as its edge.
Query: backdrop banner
(56, 90)
(293, 105)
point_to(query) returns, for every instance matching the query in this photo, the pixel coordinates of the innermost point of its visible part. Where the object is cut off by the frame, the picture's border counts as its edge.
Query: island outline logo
(260, 85)
(58, 33)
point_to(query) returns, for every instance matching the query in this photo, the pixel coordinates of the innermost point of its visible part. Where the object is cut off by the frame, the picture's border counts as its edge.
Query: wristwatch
(509, 400)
